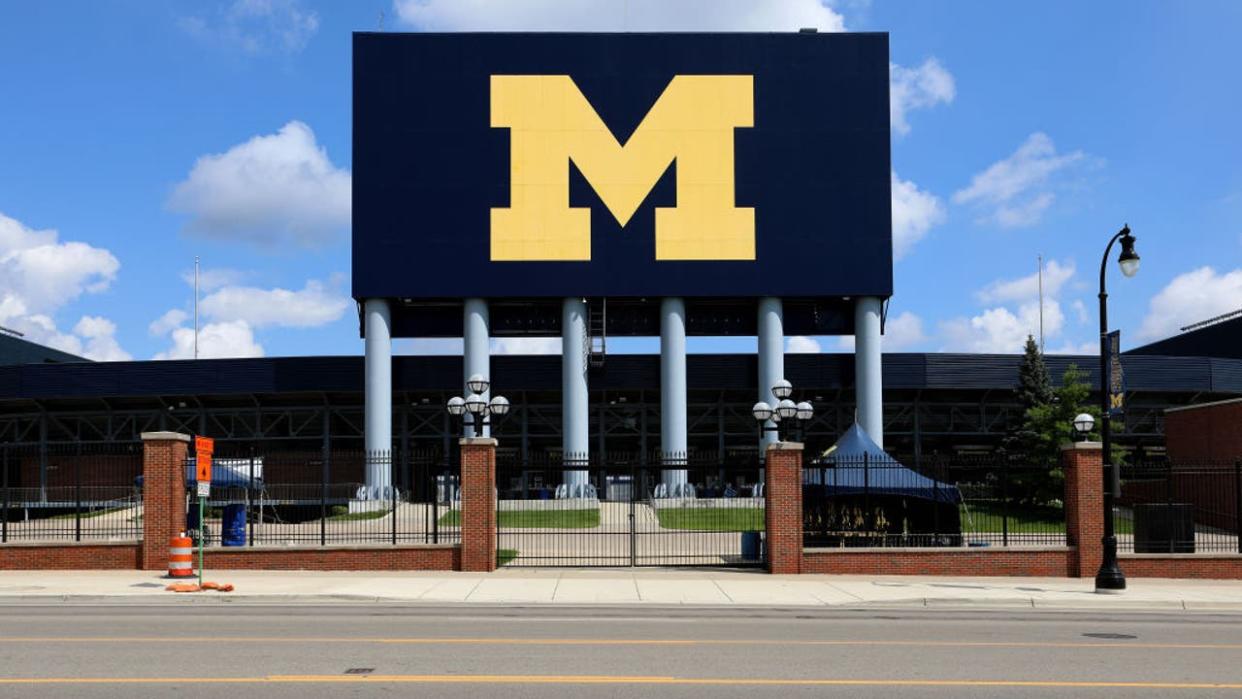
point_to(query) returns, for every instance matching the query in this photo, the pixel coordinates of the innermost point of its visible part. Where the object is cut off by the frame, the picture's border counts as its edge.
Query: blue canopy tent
(856, 494)
(856, 465)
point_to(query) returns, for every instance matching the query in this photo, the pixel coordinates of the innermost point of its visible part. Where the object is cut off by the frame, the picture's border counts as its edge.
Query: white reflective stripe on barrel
(181, 552)
(174, 565)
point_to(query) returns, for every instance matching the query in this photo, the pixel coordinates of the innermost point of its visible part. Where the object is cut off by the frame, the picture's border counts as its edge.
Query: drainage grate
(1111, 636)
(360, 671)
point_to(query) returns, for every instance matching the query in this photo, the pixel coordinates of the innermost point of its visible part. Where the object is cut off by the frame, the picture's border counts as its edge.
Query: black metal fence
(629, 510)
(859, 502)
(319, 498)
(1168, 507)
(78, 492)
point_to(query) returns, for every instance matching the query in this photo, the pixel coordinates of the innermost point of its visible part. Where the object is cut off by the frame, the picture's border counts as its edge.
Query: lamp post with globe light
(784, 412)
(1110, 578)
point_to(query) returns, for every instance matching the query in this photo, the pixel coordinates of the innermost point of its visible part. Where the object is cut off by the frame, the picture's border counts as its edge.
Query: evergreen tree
(1034, 386)
(1048, 426)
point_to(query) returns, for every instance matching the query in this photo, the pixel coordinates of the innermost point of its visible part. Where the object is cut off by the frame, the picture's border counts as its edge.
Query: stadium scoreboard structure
(525, 168)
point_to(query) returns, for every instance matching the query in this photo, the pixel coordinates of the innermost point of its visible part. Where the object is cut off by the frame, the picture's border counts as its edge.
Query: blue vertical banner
(1116, 377)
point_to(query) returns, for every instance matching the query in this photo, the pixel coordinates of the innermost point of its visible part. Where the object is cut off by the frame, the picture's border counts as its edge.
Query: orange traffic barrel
(181, 557)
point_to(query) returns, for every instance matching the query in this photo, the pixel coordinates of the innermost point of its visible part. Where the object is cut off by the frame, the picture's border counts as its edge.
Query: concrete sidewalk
(620, 587)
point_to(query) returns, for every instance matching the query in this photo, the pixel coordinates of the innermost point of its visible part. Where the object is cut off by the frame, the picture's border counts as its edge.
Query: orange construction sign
(203, 448)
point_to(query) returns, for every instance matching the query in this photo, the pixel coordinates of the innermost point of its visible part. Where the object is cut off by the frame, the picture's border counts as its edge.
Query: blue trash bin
(233, 528)
(750, 546)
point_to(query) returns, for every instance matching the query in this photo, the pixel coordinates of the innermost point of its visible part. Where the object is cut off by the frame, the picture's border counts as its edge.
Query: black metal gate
(629, 511)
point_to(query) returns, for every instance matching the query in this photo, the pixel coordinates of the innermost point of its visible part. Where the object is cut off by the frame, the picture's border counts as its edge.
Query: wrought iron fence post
(938, 471)
(1168, 502)
(1237, 502)
(392, 494)
(633, 532)
(77, 494)
(1005, 504)
(249, 499)
(4, 521)
(866, 493)
(323, 498)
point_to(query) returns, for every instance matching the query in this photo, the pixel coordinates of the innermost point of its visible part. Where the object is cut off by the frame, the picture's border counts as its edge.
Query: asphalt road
(367, 650)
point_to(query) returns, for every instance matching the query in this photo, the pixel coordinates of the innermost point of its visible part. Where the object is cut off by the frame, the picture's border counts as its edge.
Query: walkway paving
(623, 587)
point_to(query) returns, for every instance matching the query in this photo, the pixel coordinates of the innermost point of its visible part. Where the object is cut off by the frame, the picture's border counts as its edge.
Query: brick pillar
(783, 507)
(478, 504)
(163, 494)
(1083, 464)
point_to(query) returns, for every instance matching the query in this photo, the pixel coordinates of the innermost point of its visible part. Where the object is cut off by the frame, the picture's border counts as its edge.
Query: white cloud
(101, 344)
(1014, 314)
(1056, 274)
(1017, 191)
(914, 213)
(314, 305)
(271, 190)
(606, 15)
(39, 275)
(174, 318)
(1191, 297)
(1080, 348)
(255, 26)
(917, 88)
(1080, 309)
(901, 333)
(526, 345)
(213, 278)
(215, 341)
(801, 344)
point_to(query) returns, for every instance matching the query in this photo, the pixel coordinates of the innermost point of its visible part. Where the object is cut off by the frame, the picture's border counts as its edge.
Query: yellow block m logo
(692, 122)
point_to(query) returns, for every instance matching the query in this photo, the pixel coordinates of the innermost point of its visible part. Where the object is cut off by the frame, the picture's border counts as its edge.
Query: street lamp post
(1110, 578)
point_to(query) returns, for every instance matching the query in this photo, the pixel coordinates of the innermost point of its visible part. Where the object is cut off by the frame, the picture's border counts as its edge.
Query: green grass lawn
(986, 518)
(342, 514)
(504, 556)
(534, 519)
(712, 519)
(91, 513)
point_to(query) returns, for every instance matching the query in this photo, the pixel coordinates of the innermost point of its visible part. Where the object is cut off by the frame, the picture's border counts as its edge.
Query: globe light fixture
(1084, 423)
(456, 406)
(1129, 259)
(475, 404)
(477, 383)
(787, 409)
(805, 411)
(762, 412)
(783, 389)
(499, 406)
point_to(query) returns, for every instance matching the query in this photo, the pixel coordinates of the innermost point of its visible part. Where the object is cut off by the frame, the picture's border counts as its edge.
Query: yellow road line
(615, 680)
(625, 642)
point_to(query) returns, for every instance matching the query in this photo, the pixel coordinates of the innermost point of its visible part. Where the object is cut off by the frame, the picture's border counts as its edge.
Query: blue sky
(134, 136)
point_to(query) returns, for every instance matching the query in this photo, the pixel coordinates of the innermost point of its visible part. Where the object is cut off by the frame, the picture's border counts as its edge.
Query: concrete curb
(928, 603)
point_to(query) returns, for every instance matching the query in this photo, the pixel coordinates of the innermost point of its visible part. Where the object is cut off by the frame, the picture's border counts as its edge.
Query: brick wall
(478, 504)
(1083, 464)
(783, 507)
(1049, 563)
(1210, 432)
(163, 494)
(42, 556)
(423, 557)
(1194, 567)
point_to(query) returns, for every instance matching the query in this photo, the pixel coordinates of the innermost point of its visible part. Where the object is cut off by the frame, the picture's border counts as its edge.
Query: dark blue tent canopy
(857, 465)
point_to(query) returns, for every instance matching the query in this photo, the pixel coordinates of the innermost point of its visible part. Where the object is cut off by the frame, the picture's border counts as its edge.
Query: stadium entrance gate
(621, 511)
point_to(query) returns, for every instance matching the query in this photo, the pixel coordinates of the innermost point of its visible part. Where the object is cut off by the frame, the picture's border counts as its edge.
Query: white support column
(673, 442)
(476, 353)
(575, 400)
(378, 414)
(868, 378)
(771, 357)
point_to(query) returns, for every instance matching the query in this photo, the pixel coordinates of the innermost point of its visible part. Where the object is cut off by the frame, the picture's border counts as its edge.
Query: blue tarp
(857, 465)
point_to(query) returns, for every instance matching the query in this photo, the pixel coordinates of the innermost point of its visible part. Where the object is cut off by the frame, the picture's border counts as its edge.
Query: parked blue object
(750, 546)
(233, 528)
